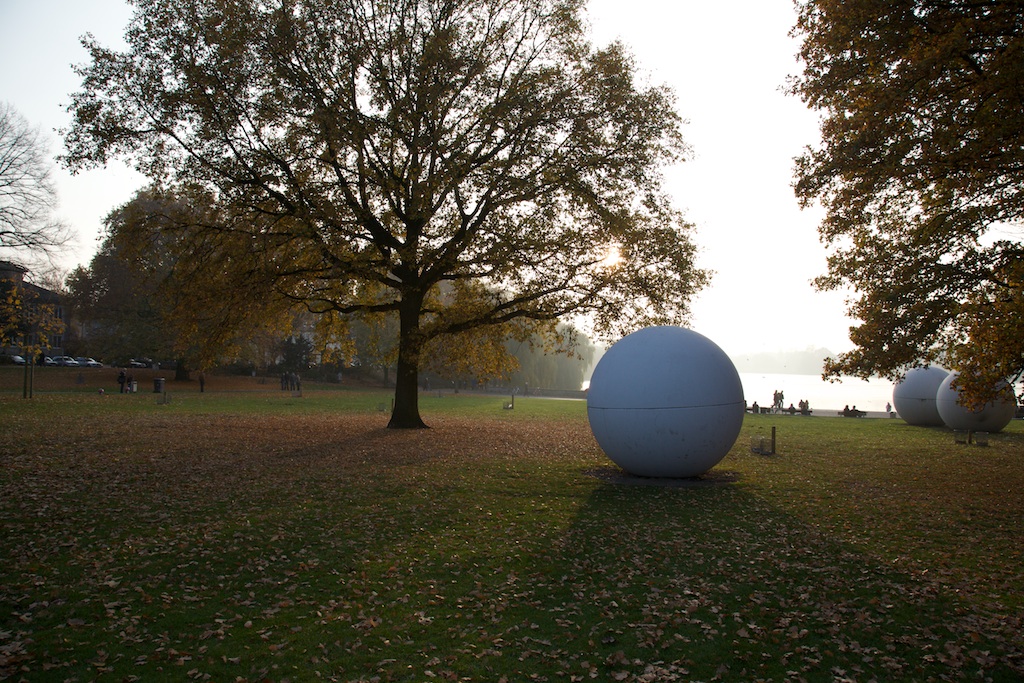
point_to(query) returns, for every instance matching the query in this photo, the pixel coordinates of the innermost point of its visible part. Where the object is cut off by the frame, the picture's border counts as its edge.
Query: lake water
(870, 395)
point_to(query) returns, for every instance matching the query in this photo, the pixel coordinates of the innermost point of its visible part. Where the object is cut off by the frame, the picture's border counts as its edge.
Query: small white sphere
(992, 417)
(914, 396)
(665, 402)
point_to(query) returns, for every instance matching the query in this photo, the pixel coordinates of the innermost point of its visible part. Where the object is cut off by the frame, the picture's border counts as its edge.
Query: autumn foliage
(458, 165)
(919, 171)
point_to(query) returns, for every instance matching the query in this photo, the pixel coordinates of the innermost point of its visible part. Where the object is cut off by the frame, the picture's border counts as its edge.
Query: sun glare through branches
(612, 257)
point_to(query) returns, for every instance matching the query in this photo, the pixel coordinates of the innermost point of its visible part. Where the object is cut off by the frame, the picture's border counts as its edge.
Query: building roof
(11, 267)
(16, 273)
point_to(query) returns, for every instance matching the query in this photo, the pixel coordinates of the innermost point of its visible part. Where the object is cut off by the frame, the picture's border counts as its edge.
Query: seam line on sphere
(704, 405)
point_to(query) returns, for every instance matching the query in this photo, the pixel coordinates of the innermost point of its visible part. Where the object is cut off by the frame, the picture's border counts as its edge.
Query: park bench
(796, 411)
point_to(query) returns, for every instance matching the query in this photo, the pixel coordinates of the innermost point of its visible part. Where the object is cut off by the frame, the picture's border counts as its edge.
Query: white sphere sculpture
(665, 402)
(992, 417)
(914, 396)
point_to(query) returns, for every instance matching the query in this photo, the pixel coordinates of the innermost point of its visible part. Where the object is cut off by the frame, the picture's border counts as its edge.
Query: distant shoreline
(837, 412)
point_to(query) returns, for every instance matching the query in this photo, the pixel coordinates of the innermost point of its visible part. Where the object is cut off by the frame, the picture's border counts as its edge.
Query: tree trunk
(180, 371)
(406, 412)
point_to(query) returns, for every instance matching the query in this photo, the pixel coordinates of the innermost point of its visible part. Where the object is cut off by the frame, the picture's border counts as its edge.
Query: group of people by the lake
(803, 406)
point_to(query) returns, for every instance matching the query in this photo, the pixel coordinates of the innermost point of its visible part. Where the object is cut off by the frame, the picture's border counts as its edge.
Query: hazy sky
(728, 63)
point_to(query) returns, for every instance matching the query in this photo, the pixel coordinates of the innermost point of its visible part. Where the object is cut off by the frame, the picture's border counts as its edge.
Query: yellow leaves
(27, 320)
(916, 147)
(989, 331)
(334, 339)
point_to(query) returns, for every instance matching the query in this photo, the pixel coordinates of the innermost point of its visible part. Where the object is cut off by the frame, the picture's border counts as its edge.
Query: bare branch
(28, 197)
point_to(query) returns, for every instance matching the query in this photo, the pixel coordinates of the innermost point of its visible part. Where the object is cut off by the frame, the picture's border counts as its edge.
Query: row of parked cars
(65, 361)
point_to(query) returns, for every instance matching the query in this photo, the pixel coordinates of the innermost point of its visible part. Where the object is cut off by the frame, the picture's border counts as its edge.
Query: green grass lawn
(250, 536)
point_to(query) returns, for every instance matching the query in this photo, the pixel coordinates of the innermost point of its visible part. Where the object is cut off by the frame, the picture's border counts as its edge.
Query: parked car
(48, 361)
(16, 360)
(66, 361)
(144, 363)
(88, 362)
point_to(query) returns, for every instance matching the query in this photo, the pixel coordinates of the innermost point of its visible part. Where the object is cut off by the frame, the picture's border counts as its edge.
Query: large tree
(920, 170)
(164, 285)
(28, 197)
(113, 310)
(373, 151)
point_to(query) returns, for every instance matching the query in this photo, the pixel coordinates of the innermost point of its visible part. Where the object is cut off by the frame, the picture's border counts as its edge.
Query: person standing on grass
(121, 379)
(202, 381)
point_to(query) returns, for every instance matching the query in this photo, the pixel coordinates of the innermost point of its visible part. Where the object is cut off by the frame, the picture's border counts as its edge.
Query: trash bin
(158, 385)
